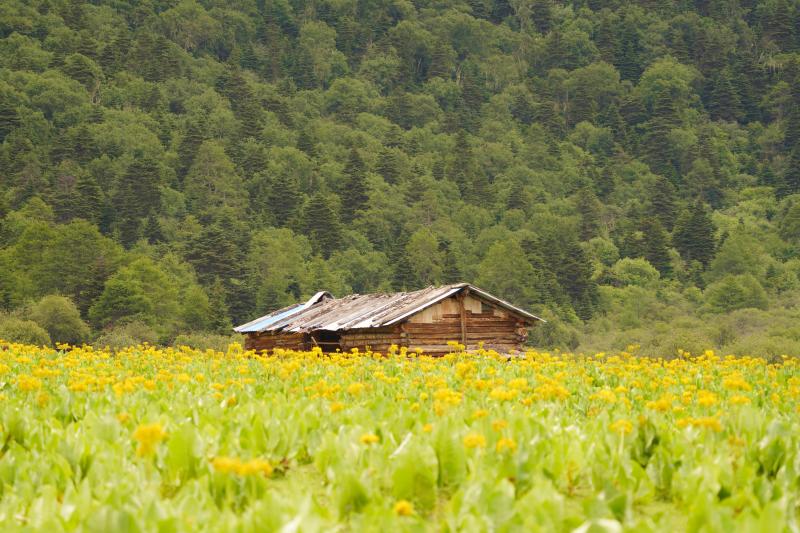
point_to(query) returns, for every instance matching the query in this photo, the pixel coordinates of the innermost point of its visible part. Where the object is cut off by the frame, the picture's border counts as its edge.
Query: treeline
(624, 168)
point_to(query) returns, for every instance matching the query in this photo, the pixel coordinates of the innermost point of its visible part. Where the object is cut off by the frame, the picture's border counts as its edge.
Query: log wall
(463, 319)
(269, 341)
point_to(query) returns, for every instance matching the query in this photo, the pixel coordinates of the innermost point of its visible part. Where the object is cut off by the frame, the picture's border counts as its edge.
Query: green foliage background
(630, 170)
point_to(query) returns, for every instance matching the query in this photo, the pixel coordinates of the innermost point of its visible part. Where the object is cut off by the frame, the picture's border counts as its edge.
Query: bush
(204, 341)
(129, 334)
(638, 272)
(16, 329)
(61, 319)
(735, 292)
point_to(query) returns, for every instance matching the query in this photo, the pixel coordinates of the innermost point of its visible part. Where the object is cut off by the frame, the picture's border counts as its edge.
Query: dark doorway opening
(329, 341)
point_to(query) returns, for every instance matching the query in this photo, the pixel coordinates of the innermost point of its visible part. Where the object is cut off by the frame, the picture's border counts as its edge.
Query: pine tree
(589, 210)
(693, 235)
(219, 320)
(628, 56)
(724, 101)
(574, 274)
(137, 193)
(451, 273)
(663, 120)
(542, 14)
(187, 150)
(354, 191)
(662, 201)
(284, 198)
(517, 197)
(791, 179)
(88, 198)
(322, 225)
(152, 229)
(656, 246)
(249, 59)
(9, 119)
(605, 183)
(389, 165)
(461, 168)
(403, 277)
(306, 144)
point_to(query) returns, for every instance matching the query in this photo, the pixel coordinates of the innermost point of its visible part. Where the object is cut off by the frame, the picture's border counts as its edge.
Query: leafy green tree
(17, 329)
(61, 319)
(735, 292)
(424, 257)
(506, 272)
(212, 180)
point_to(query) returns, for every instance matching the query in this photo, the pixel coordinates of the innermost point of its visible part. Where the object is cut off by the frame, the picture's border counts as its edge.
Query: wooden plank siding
(462, 318)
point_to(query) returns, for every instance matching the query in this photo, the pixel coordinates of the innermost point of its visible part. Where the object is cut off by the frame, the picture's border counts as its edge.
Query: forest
(629, 170)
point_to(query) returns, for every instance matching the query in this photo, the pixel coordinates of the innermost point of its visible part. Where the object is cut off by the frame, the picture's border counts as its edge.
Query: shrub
(637, 272)
(61, 319)
(128, 334)
(16, 329)
(204, 340)
(735, 292)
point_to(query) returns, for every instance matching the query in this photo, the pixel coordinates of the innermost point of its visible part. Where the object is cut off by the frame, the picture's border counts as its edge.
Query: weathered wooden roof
(323, 312)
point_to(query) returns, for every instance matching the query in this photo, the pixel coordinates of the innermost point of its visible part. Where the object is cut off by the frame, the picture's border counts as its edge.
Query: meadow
(177, 439)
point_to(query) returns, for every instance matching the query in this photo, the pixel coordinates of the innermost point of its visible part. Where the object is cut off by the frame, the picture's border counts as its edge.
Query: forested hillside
(630, 170)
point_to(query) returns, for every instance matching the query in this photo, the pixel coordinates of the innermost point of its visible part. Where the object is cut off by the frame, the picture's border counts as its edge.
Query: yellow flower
(403, 508)
(506, 445)
(369, 438)
(480, 413)
(355, 389)
(226, 465)
(148, 436)
(335, 407)
(123, 417)
(475, 440)
(427, 428)
(739, 399)
(499, 424)
(621, 426)
(28, 383)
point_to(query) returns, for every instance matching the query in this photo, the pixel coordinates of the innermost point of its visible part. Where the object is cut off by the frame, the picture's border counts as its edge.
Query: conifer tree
(152, 229)
(451, 273)
(663, 120)
(321, 223)
(662, 201)
(724, 101)
(284, 198)
(791, 179)
(354, 188)
(305, 143)
(574, 274)
(137, 193)
(693, 235)
(187, 150)
(656, 245)
(589, 210)
(88, 198)
(219, 320)
(462, 165)
(9, 119)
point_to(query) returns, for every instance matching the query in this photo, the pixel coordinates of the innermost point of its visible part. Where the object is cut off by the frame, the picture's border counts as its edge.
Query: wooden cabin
(425, 319)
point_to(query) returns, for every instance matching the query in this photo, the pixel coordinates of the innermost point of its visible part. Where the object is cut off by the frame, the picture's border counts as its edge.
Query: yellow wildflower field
(152, 439)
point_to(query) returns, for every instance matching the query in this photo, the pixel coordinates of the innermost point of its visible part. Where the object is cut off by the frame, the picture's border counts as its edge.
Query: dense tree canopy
(183, 165)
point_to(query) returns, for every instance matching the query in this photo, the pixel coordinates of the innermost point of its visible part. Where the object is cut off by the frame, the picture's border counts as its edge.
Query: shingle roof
(323, 312)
